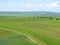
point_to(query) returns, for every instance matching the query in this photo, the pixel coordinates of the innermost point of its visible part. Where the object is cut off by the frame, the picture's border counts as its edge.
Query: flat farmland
(29, 31)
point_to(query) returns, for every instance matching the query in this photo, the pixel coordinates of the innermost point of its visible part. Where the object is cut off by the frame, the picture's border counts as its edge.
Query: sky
(30, 5)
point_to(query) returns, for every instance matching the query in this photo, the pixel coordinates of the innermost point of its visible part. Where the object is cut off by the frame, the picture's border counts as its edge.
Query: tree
(50, 18)
(57, 18)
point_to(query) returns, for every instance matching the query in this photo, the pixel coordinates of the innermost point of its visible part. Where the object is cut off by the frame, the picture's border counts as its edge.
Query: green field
(29, 31)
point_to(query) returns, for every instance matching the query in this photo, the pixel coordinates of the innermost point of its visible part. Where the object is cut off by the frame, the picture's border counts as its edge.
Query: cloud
(40, 5)
(48, 5)
(52, 5)
(27, 5)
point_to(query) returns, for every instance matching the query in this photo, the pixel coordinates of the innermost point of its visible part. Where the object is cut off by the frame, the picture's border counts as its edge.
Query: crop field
(25, 30)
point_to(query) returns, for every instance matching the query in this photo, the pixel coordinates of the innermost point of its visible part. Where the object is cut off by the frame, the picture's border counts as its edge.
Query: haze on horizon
(30, 5)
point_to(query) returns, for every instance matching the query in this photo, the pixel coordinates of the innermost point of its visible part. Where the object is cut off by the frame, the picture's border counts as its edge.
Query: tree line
(51, 18)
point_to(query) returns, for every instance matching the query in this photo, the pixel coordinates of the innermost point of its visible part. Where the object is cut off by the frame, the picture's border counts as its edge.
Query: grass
(12, 38)
(16, 40)
(46, 31)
